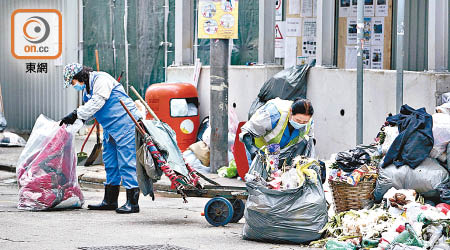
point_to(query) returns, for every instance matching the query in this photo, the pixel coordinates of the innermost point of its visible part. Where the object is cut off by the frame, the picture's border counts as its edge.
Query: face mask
(79, 87)
(297, 125)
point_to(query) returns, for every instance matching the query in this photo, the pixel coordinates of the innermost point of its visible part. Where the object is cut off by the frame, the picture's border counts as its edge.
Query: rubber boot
(109, 201)
(131, 206)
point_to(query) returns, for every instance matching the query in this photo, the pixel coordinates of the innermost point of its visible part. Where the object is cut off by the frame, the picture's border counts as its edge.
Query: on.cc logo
(36, 34)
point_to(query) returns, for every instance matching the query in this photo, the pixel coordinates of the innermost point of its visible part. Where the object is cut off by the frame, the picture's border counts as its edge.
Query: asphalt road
(166, 223)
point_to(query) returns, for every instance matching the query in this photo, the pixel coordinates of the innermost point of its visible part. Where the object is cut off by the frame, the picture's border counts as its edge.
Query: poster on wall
(294, 7)
(382, 7)
(350, 57)
(290, 52)
(366, 57)
(309, 27)
(344, 8)
(352, 36)
(378, 31)
(218, 19)
(293, 27)
(377, 57)
(354, 8)
(309, 46)
(278, 10)
(307, 8)
(279, 39)
(367, 31)
(369, 9)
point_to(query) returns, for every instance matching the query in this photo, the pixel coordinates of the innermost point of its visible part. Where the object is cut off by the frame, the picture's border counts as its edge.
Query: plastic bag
(424, 178)
(229, 172)
(46, 169)
(8, 139)
(287, 84)
(193, 161)
(3, 122)
(178, 107)
(441, 134)
(283, 216)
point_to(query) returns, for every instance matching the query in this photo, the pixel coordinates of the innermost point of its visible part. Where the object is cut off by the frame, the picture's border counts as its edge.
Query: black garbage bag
(415, 140)
(287, 84)
(284, 216)
(444, 192)
(353, 158)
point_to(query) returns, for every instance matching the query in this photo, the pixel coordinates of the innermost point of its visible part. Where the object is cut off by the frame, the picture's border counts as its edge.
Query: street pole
(219, 103)
(400, 53)
(359, 77)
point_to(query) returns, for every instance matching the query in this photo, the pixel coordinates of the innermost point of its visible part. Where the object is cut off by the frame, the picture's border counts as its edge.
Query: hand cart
(226, 204)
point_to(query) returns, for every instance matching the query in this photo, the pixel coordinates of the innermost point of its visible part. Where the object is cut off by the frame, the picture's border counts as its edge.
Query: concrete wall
(333, 94)
(243, 87)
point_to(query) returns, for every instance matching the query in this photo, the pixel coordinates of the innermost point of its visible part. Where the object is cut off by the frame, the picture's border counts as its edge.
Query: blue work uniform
(119, 153)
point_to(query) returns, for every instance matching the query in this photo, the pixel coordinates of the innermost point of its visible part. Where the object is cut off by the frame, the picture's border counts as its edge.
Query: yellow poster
(218, 19)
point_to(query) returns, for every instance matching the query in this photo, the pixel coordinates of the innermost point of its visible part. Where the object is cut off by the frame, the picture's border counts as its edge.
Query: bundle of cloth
(46, 171)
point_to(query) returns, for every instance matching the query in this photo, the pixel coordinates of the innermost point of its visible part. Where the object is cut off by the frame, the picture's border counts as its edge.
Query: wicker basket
(348, 197)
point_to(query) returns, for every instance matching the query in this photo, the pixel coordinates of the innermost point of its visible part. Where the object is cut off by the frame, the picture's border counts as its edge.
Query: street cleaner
(286, 123)
(101, 95)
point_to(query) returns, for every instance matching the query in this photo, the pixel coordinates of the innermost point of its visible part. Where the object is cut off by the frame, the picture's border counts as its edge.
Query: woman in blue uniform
(101, 95)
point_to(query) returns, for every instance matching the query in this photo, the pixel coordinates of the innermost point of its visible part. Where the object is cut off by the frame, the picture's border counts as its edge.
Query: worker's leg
(126, 158)
(112, 184)
(111, 162)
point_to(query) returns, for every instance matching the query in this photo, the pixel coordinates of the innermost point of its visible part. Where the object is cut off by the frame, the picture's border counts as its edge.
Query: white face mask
(297, 125)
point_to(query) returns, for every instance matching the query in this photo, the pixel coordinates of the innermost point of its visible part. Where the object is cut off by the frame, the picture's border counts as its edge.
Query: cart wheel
(238, 208)
(218, 211)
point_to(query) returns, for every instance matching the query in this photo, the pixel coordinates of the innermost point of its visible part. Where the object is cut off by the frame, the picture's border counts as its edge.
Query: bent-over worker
(101, 95)
(281, 122)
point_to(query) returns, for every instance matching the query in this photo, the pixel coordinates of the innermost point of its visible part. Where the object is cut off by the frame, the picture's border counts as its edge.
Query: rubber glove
(248, 142)
(69, 119)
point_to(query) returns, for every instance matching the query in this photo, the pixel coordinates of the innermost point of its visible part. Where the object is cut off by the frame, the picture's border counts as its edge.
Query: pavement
(96, 174)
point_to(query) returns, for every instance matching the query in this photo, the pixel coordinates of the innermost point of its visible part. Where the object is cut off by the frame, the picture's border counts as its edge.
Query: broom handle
(98, 69)
(89, 134)
(144, 103)
(138, 126)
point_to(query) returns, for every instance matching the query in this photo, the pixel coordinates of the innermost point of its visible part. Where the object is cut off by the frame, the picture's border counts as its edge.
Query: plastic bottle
(367, 243)
(339, 245)
(408, 237)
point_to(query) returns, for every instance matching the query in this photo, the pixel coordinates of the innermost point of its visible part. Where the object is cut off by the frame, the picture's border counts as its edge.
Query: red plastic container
(177, 105)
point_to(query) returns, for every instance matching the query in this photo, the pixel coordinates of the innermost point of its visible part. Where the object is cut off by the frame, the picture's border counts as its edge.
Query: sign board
(279, 39)
(218, 19)
(278, 10)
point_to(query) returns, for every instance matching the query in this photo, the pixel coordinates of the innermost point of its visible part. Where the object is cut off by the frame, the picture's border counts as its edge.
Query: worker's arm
(100, 93)
(263, 121)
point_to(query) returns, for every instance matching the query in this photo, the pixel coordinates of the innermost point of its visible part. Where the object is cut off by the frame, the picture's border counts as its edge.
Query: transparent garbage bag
(46, 169)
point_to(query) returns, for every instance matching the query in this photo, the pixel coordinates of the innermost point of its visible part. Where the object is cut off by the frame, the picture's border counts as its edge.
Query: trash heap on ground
(395, 193)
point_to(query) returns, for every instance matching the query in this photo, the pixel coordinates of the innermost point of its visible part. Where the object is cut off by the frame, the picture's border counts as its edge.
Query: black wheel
(218, 211)
(238, 207)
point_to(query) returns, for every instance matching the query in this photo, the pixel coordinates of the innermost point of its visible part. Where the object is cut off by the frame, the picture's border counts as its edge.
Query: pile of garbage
(410, 164)
(401, 220)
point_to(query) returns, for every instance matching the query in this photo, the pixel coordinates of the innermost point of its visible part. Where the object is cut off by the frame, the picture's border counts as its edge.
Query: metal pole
(400, 53)
(125, 20)
(360, 72)
(195, 31)
(219, 103)
(166, 43)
